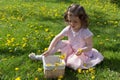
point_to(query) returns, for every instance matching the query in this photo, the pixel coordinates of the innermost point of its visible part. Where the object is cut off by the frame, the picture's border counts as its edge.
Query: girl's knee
(61, 43)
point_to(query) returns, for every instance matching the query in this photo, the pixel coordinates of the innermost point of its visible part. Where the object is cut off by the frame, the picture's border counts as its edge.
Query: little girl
(78, 48)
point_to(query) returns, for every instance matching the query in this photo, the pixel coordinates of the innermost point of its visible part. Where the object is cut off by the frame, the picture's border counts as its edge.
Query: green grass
(29, 26)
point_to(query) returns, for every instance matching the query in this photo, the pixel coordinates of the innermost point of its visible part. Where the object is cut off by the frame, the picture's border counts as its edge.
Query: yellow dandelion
(80, 51)
(56, 14)
(17, 44)
(8, 41)
(36, 78)
(41, 26)
(107, 39)
(36, 31)
(62, 63)
(13, 45)
(12, 39)
(83, 71)
(63, 56)
(60, 77)
(24, 44)
(45, 49)
(48, 64)
(57, 64)
(85, 64)
(20, 18)
(46, 29)
(51, 35)
(39, 69)
(79, 70)
(91, 69)
(24, 39)
(16, 69)
(87, 71)
(8, 35)
(92, 77)
(18, 78)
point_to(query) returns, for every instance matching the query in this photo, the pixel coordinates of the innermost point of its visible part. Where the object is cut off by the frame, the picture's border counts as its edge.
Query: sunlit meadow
(29, 25)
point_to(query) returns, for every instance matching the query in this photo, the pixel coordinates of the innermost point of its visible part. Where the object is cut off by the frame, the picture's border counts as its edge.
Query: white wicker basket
(53, 66)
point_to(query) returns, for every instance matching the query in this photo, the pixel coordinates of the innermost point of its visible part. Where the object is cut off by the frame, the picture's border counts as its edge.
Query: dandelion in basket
(48, 64)
(57, 64)
(63, 56)
(60, 77)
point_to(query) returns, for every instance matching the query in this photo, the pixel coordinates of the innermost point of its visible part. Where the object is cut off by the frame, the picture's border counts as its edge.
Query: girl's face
(74, 22)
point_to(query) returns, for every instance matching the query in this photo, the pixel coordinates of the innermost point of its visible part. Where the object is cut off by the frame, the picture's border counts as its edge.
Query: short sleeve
(64, 32)
(86, 33)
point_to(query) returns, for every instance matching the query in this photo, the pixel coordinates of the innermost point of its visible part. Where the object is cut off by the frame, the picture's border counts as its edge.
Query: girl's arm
(89, 45)
(53, 43)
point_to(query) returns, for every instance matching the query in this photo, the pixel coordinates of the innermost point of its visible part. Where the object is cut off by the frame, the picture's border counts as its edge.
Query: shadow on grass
(98, 22)
(50, 19)
(58, 1)
(70, 74)
(51, 1)
(117, 2)
(112, 63)
(110, 46)
(113, 48)
(100, 25)
(7, 52)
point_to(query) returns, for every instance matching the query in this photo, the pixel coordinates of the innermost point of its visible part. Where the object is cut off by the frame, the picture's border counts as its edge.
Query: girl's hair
(79, 11)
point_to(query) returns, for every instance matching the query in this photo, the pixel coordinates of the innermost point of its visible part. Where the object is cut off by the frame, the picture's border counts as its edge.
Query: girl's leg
(64, 48)
(35, 57)
(60, 45)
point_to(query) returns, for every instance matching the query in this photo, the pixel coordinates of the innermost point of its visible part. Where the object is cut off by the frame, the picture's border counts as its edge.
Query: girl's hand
(46, 53)
(79, 51)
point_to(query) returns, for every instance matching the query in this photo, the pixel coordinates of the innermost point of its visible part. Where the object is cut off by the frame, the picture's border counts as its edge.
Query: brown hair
(79, 11)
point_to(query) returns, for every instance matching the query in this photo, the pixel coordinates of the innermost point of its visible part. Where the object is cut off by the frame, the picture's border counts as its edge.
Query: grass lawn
(29, 25)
